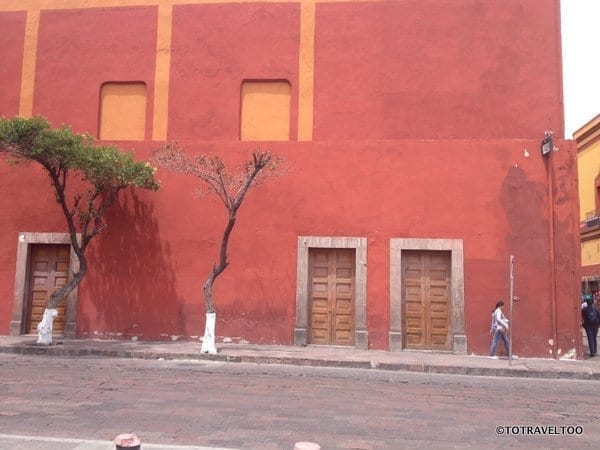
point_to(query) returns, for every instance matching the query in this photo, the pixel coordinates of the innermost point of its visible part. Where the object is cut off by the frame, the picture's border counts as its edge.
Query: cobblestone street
(271, 407)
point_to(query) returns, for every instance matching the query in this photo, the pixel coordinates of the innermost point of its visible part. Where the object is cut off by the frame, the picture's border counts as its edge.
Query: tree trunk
(208, 341)
(45, 327)
(207, 289)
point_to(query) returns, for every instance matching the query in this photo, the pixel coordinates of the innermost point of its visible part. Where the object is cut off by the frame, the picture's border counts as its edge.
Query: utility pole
(511, 271)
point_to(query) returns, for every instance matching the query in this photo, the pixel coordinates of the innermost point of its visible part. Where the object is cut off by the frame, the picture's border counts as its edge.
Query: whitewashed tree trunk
(208, 341)
(45, 327)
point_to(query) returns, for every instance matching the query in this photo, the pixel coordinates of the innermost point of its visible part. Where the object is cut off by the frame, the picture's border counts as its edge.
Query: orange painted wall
(427, 124)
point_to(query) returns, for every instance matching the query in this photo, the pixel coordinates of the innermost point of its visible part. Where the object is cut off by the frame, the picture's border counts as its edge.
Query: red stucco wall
(427, 124)
(437, 69)
(12, 37)
(148, 268)
(215, 48)
(78, 50)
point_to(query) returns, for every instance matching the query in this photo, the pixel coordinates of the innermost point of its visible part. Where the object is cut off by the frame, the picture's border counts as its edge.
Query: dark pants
(592, 332)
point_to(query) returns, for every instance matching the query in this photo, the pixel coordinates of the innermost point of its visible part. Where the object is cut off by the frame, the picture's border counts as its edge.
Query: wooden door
(48, 271)
(426, 300)
(331, 305)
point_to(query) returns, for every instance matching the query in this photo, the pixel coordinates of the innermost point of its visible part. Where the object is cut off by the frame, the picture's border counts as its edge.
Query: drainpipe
(550, 172)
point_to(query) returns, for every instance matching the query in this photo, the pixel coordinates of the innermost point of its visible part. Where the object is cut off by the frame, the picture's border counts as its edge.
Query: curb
(58, 351)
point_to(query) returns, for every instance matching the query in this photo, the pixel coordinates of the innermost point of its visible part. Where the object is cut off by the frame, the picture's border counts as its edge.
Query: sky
(580, 24)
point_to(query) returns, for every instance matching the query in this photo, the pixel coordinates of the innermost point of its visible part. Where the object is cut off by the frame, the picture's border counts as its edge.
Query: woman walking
(498, 330)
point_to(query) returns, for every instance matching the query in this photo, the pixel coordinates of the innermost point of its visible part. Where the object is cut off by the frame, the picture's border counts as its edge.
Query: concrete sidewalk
(320, 356)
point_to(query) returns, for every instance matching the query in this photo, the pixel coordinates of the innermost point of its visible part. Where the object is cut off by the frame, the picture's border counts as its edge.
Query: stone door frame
(25, 240)
(361, 338)
(457, 294)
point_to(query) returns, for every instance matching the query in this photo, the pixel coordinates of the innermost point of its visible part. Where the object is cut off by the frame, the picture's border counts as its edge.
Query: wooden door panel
(344, 273)
(343, 305)
(331, 275)
(62, 267)
(426, 299)
(439, 298)
(319, 324)
(40, 267)
(38, 304)
(320, 289)
(40, 279)
(343, 326)
(49, 270)
(414, 330)
(319, 329)
(343, 294)
(343, 322)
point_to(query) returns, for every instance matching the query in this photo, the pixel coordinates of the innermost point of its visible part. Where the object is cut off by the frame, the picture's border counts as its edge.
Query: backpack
(591, 315)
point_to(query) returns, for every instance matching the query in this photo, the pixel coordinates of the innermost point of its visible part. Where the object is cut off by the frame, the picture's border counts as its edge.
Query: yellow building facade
(588, 168)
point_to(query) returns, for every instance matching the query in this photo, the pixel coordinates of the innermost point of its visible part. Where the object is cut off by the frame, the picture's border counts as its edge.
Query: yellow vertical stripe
(32, 26)
(161, 76)
(306, 71)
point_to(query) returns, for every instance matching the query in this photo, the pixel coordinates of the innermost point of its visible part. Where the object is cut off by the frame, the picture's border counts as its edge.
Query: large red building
(412, 133)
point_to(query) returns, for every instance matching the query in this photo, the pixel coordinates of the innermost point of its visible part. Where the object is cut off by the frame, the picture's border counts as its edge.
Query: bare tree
(230, 188)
